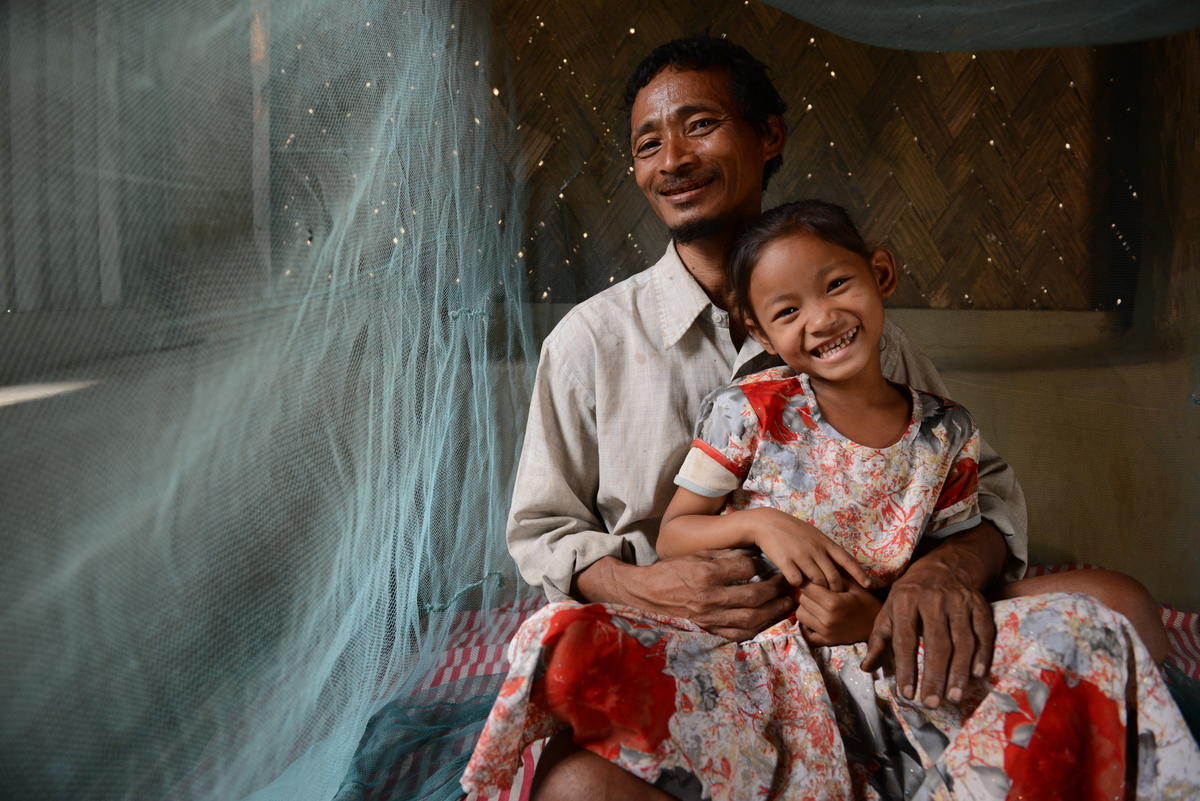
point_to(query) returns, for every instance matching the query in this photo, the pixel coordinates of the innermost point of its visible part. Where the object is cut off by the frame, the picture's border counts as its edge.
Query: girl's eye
(835, 283)
(790, 310)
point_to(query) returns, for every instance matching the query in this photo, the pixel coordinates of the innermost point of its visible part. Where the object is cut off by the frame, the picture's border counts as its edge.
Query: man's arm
(560, 543)
(940, 598)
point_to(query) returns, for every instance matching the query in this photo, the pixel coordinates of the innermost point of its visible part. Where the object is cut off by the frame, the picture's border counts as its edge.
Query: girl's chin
(841, 370)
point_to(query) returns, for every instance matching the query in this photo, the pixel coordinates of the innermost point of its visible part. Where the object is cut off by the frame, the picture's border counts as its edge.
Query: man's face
(697, 161)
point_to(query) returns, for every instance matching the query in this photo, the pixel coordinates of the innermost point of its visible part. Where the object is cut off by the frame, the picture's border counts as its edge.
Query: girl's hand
(801, 552)
(836, 618)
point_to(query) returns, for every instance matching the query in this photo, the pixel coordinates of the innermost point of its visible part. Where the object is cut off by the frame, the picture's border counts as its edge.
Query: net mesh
(261, 266)
(277, 242)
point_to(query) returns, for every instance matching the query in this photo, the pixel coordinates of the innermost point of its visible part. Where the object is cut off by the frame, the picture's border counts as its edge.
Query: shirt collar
(680, 298)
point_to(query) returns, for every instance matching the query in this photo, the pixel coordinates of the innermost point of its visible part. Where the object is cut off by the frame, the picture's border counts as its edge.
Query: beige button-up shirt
(619, 384)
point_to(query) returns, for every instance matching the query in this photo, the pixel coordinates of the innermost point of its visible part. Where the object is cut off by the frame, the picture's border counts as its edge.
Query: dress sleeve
(723, 446)
(957, 506)
(1001, 500)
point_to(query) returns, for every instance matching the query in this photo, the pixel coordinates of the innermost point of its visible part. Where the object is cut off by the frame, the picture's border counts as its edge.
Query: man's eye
(646, 147)
(703, 124)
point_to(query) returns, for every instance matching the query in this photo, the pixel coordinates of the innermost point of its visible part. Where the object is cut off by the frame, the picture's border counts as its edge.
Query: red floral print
(768, 399)
(1078, 742)
(961, 483)
(608, 687)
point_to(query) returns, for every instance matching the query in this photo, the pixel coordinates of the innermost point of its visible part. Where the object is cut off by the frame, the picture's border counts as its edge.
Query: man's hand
(716, 590)
(939, 599)
(836, 618)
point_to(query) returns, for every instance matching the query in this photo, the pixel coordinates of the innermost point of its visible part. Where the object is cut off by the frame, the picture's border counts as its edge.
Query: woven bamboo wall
(1003, 180)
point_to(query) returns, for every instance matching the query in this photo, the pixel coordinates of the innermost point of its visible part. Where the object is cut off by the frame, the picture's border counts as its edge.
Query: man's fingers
(877, 643)
(732, 566)
(743, 623)
(985, 636)
(904, 651)
(962, 633)
(938, 649)
(750, 595)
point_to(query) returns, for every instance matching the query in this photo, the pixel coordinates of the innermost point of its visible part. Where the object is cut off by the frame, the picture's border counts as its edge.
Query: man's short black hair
(823, 220)
(756, 96)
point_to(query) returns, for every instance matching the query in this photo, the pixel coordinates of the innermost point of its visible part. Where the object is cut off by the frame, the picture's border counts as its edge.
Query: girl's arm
(692, 523)
(798, 549)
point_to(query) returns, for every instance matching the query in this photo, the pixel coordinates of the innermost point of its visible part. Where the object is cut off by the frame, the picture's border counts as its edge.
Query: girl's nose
(823, 321)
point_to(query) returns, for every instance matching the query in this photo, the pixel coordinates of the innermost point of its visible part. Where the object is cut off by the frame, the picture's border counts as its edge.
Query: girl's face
(820, 306)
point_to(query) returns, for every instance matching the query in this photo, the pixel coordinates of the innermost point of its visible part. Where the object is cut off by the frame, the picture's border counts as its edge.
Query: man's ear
(753, 329)
(775, 137)
(883, 265)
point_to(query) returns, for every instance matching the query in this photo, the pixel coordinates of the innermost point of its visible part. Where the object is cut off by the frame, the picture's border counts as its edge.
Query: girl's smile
(819, 307)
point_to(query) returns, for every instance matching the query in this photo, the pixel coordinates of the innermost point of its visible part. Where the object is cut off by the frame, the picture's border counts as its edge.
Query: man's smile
(684, 190)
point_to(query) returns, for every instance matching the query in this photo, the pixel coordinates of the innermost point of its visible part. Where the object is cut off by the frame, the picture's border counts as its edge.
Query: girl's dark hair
(826, 221)
(749, 80)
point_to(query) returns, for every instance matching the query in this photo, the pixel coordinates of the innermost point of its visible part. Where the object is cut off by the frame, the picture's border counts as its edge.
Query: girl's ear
(759, 336)
(883, 265)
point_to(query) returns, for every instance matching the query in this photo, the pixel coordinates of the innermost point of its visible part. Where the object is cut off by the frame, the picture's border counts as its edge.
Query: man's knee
(566, 772)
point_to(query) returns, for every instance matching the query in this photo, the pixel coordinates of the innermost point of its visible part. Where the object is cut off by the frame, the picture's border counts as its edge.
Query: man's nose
(677, 153)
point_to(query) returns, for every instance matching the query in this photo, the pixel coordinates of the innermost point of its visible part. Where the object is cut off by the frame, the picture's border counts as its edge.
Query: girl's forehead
(803, 252)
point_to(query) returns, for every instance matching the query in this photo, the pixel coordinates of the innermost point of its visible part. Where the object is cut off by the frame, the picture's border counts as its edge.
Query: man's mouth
(835, 345)
(677, 188)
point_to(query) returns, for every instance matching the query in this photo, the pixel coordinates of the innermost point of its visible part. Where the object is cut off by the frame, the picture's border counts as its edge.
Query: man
(620, 383)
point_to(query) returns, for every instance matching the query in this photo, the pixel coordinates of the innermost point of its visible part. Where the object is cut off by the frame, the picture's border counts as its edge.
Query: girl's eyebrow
(821, 273)
(832, 266)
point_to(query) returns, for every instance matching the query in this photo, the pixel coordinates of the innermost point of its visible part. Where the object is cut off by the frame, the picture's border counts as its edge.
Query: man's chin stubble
(704, 228)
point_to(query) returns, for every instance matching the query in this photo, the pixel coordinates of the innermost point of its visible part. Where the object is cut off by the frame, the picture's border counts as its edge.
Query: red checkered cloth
(478, 649)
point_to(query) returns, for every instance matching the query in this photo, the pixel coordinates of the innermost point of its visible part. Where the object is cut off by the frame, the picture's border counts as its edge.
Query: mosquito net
(266, 335)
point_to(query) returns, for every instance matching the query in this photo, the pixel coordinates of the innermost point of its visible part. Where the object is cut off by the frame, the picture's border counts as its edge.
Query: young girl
(823, 464)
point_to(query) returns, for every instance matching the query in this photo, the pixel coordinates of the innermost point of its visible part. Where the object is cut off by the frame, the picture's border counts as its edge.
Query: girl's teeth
(841, 342)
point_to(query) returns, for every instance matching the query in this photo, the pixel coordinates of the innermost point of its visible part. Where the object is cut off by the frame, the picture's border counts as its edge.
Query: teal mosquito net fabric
(277, 243)
(265, 348)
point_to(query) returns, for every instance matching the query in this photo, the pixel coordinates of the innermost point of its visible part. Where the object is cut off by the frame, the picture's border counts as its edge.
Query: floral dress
(1073, 705)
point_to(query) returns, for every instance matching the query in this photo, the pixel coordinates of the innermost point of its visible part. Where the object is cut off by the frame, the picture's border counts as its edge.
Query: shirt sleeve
(553, 529)
(957, 506)
(723, 446)
(1001, 501)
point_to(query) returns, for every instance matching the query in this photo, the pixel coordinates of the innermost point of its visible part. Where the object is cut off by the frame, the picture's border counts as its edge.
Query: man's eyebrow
(681, 111)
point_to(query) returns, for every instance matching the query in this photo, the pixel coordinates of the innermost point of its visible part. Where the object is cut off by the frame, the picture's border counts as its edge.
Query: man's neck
(705, 260)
